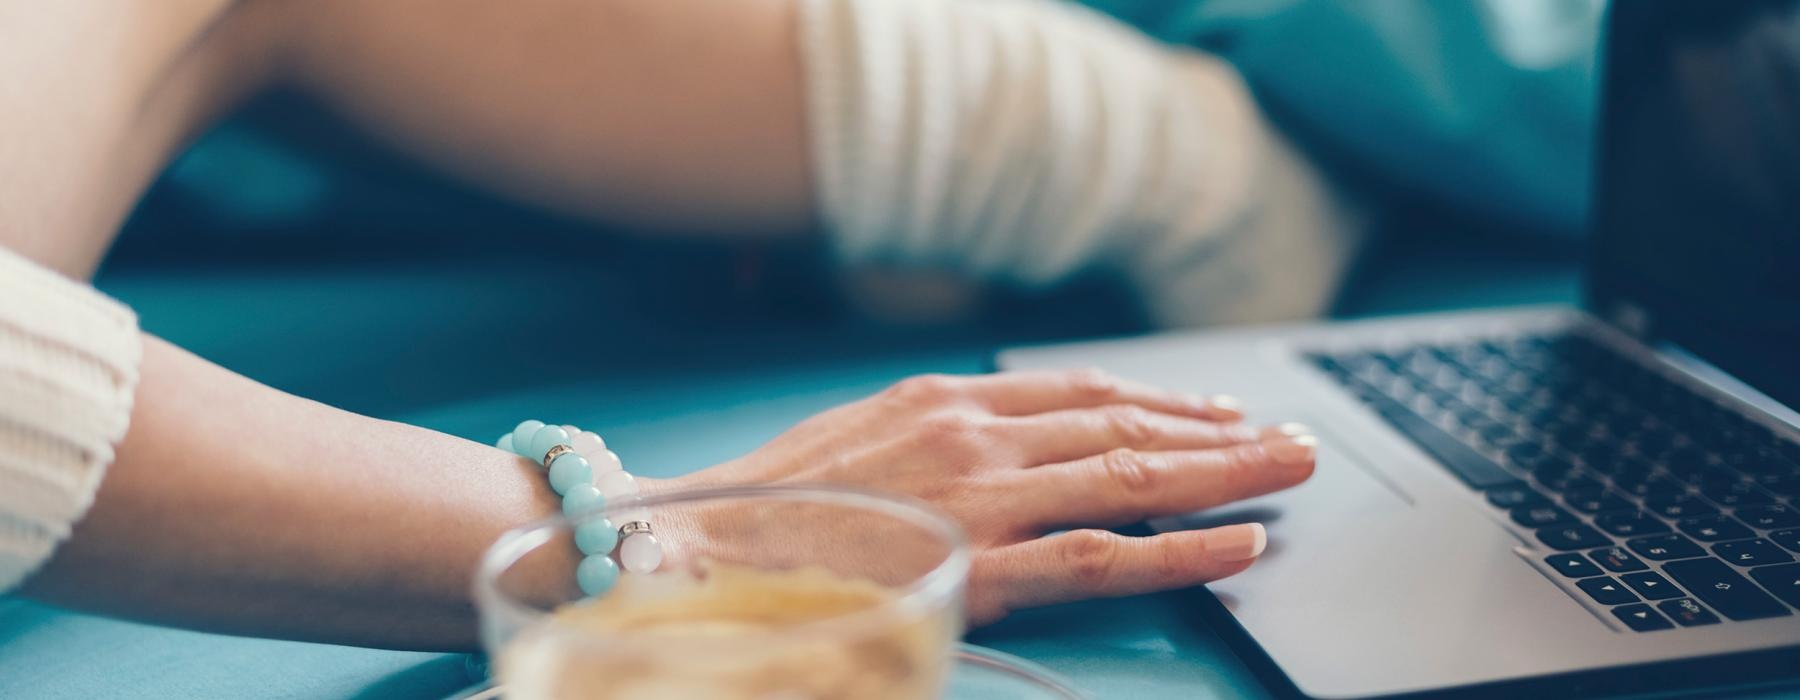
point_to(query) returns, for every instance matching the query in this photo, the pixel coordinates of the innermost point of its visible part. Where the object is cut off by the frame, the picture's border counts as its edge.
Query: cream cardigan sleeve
(1027, 140)
(68, 370)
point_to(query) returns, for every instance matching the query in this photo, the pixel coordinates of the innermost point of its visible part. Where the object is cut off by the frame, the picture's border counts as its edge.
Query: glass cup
(812, 592)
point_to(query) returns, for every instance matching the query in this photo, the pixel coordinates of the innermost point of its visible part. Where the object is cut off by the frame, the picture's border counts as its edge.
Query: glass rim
(944, 580)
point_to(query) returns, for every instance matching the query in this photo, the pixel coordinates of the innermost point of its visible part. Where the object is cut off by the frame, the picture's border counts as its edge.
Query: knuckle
(1093, 383)
(1132, 472)
(1130, 425)
(1091, 558)
(951, 430)
(924, 389)
(1240, 473)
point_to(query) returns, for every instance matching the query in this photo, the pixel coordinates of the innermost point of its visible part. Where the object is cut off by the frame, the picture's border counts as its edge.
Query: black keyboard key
(1653, 486)
(1553, 471)
(1784, 484)
(1607, 591)
(1641, 618)
(1755, 552)
(1573, 565)
(1595, 500)
(1630, 524)
(1651, 585)
(1617, 559)
(1665, 547)
(1787, 538)
(1515, 495)
(1714, 528)
(1541, 516)
(1687, 612)
(1680, 506)
(1723, 588)
(1573, 481)
(1474, 469)
(1783, 581)
(1527, 455)
(1737, 493)
(1769, 517)
(1572, 537)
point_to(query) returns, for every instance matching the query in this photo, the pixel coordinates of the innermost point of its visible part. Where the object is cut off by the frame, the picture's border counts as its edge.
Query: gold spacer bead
(555, 452)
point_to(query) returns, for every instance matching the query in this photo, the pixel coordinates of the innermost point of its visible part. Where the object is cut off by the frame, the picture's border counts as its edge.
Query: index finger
(1029, 392)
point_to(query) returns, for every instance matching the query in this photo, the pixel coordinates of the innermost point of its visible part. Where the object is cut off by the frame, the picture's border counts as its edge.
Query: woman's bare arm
(237, 508)
(97, 96)
(683, 115)
(229, 506)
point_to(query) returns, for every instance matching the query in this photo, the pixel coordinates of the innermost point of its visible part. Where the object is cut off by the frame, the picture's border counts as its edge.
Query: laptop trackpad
(1345, 485)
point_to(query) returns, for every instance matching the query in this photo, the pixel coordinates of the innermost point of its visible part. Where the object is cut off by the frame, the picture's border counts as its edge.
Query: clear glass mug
(809, 592)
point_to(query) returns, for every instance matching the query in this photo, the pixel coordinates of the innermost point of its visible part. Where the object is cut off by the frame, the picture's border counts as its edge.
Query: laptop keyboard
(1664, 507)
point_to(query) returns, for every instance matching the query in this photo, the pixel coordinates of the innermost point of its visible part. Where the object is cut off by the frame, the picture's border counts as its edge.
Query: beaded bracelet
(570, 455)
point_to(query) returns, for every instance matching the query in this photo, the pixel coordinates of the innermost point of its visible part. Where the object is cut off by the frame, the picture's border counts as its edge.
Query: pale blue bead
(597, 536)
(580, 498)
(569, 471)
(521, 438)
(505, 442)
(546, 438)
(596, 574)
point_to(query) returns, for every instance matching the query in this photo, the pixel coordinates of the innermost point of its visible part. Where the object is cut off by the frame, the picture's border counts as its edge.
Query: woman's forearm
(237, 508)
(676, 115)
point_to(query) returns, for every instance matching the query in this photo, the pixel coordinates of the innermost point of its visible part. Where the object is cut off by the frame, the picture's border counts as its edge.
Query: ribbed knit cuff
(68, 370)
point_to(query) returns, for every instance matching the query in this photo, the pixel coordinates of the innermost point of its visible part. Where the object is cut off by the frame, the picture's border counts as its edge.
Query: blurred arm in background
(1013, 140)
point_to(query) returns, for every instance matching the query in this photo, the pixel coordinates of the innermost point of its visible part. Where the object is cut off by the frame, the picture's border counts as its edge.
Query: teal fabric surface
(1481, 105)
(436, 343)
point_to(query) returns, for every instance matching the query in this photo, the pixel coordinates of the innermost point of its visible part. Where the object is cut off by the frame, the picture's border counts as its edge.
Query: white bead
(589, 445)
(616, 484)
(570, 429)
(641, 553)
(607, 462)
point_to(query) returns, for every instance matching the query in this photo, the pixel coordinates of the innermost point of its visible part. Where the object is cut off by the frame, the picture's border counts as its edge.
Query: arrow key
(1573, 565)
(1607, 591)
(1641, 618)
(1651, 585)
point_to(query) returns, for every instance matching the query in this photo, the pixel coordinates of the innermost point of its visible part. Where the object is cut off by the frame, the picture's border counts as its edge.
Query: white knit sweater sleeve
(1027, 140)
(68, 370)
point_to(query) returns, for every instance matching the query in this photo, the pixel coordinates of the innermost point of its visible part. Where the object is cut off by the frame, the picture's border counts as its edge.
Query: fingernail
(1286, 430)
(1292, 449)
(1238, 542)
(1226, 403)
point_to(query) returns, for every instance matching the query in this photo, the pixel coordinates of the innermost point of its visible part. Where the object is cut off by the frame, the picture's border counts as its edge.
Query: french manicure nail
(1293, 429)
(1293, 449)
(1226, 402)
(1238, 542)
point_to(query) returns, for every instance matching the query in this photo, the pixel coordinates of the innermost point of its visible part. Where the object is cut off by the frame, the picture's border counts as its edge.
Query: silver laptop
(1554, 500)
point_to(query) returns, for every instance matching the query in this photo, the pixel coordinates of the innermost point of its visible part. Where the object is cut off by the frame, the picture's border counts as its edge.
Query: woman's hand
(1014, 456)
